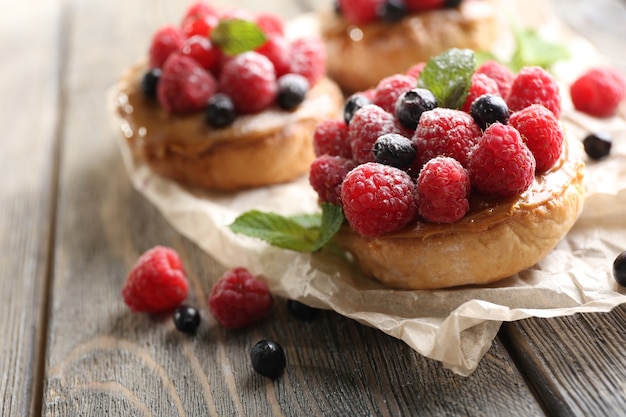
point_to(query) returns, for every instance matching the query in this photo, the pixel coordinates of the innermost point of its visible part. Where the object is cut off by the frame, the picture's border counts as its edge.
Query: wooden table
(71, 226)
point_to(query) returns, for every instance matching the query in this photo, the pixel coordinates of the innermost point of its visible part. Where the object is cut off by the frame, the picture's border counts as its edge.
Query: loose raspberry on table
(308, 58)
(367, 124)
(481, 85)
(157, 282)
(326, 175)
(501, 164)
(446, 132)
(165, 41)
(278, 50)
(389, 89)
(500, 73)
(534, 85)
(331, 137)
(239, 299)
(249, 80)
(184, 86)
(443, 188)
(378, 199)
(541, 132)
(599, 91)
(360, 11)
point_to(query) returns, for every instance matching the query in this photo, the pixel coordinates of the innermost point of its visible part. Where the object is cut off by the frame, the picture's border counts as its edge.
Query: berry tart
(226, 100)
(368, 40)
(444, 188)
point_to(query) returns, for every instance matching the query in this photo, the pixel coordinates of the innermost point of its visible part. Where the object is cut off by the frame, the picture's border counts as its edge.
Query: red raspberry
(390, 88)
(199, 9)
(278, 50)
(249, 80)
(446, 132)
(326, 175)
(481, 84)
(165, 41)
(501, 164)
(423, 5)
(239, 299)
(598, 92)
(534, 85)
(378, 199)
(541, 132)
(184, 86)
(416, 70)
(270, 24)
(367, 124)
(200, 24)
(360, 11)
(308, 58)
(500, 73)
(203, 51)
(157, 282)
(443, 187)
(331, 137)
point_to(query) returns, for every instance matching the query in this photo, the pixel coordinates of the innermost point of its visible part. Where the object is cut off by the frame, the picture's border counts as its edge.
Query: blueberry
(392, 11)
(220, 111)
(619, 269)
(268, 358)
(411, 104)
(186, 319)
(488, 109)
(597, 145)
(451, 3)
(353, 104)
(302, 311)
(394, 150)
(150, 81)
(292, 89)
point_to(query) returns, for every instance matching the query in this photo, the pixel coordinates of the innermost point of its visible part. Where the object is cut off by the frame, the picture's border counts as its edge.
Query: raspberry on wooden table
(326, 175)
(331, 137)
(500, 73)
(501, 164)
(389, 89)
(378, 199)
(157, 282)
(534, 85)
(599, 91)
(481, 85)
(165, 41)
(368, 124)
(542, 133)
(443, 187)
(239, 299)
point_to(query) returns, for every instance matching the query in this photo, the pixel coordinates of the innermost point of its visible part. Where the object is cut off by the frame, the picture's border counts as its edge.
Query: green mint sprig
(449, 76)
(301, 233)
(234, 36)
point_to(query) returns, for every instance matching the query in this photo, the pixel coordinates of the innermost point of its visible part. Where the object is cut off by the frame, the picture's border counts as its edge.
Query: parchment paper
(455, 326)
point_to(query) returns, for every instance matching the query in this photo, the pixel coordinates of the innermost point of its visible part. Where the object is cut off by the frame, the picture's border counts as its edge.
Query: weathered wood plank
(29, 78)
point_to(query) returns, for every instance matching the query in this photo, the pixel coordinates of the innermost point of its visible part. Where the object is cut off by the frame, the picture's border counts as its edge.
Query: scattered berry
(220, 111)
(186, 319)
(541, 132)
(366, 126)
(157, 282)
(292, 89)
(165, 41)
(326, 175)
(389, 89)
(331, 137)
(378, 199)
(249, 80)
(534, 85)
(185, 86)
(392, 11)
(619, 269)
(597, 145)
(411, 104)
(302, 311)
(481, 85)
(488, 109)
(599, 91)
(394, 150)
(268, 358)
(353, 104)
(443, 187)
(446, 132)
(203, 51)
(501, 164)
(150, 81)
(360, 11)
(239, 299)
(308, 58)
(500, 73)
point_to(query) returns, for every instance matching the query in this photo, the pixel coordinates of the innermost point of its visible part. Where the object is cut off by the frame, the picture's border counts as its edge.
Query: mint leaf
(448, 76)
(332, 219)
(533, 50)
(234, 36)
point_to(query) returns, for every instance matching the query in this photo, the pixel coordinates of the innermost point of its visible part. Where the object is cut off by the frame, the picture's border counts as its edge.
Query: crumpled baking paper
(453, 326)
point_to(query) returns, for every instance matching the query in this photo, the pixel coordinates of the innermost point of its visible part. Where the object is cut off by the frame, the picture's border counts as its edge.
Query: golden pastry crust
(360, 56)
(274, 146)
(492, 243)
